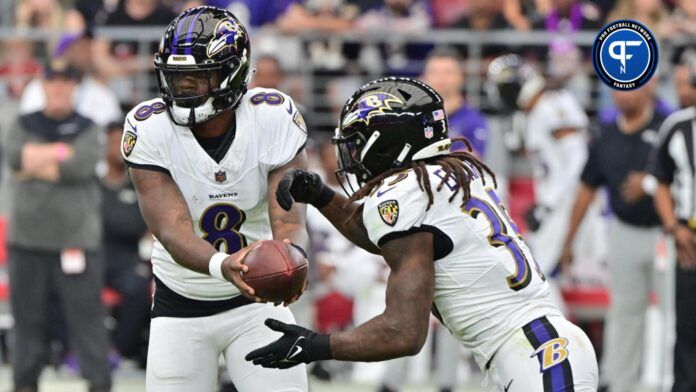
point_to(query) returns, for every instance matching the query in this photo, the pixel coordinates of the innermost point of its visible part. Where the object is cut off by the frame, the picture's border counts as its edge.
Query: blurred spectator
(618, 160)
(268, 73)
(76, 50)
(124, 232)
(85, 15)
(330, 16)
(683, 81)
(482, 15)
(444, 72)
(649, 12)
(674, 199)
(566, 16)
(396, 16)
(43, 14)
(120, 59)
(17, 66)
(255, 13)
(55, 232)
(520, 13)
(681, 21)
(446, 12)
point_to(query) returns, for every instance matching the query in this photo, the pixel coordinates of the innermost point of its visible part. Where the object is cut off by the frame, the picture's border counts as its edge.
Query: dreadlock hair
(460, 165)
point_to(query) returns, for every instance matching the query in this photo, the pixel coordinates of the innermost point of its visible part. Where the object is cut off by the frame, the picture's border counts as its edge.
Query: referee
(675, 200)
(617, 160)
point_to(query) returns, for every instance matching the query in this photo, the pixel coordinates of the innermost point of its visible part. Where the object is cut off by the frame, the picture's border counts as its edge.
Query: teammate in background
(443, 71)
(204, 159)
(435, 217)
(556, 136)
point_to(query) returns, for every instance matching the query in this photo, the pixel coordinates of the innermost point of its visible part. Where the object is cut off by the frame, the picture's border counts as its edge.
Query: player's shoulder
(272, 111)
(677, 119)
(148, 114)
(266, 100)
(402, 187)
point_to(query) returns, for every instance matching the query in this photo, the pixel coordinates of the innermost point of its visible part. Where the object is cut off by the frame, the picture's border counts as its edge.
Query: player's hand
(686, 247)
(303, 187)
(534, 216)
(233, 268)
(297, 345)
(632, 188)
(566, 258)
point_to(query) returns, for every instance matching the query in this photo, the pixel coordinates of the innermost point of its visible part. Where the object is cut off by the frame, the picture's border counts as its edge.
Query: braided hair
(463, 166)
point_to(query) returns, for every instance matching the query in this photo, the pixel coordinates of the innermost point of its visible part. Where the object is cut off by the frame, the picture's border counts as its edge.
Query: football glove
(297, 345)
(535, 215)
(303, 187)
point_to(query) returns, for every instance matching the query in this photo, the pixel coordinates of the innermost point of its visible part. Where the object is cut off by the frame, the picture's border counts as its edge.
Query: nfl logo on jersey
(221, 176)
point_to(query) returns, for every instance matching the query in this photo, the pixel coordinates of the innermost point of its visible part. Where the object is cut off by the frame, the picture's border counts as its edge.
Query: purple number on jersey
(267, 98)
(503, 233)
(220, 224)
(145, 111)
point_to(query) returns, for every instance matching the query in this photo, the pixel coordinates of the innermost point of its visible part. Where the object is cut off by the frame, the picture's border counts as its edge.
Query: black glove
(303, 187)
(297, 345)
(535, 216)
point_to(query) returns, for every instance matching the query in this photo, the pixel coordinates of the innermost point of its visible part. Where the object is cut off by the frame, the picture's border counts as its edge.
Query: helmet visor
(190, 88)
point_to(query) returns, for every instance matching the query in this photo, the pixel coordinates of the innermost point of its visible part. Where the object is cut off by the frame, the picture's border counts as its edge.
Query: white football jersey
(227, 200)
(557, 162)
(487, 284)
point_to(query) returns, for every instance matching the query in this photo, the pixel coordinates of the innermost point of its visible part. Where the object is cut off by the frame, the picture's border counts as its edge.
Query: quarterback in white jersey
(434, 216)
(203, 160)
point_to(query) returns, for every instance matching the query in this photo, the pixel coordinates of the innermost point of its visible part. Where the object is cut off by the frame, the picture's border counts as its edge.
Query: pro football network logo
(624, 54)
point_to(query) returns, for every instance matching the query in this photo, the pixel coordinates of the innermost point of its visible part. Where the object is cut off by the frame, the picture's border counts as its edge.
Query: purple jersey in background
(470, 123)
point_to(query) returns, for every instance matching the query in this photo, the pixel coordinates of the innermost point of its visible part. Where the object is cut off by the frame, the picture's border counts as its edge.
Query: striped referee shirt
(674, 161)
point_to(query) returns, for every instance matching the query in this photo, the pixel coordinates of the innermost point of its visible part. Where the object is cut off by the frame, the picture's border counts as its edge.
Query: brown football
(277, 272)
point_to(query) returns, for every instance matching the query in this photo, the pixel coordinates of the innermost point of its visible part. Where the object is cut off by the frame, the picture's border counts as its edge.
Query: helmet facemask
(196, 94)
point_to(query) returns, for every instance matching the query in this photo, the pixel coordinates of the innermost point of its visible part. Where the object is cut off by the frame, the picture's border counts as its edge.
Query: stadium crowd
(98, 55)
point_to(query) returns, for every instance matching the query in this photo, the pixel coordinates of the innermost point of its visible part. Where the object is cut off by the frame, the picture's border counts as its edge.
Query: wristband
(321, 347)
(61, 152)
(215, 265)
(649, 184)
(299, 248)
(324, 198)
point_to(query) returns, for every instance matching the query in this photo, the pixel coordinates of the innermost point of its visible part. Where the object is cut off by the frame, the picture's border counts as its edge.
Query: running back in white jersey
(487, 284)
(227, 200)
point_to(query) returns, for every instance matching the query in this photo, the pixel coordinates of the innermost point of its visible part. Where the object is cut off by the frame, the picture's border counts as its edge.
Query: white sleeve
(570, 158)
(284, 128)
(139, 147)
(395, 210)
(33, 98)
(567, 113)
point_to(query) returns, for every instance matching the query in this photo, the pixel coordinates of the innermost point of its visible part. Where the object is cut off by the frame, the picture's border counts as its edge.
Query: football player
(435, 217)
(555, 135)
(204, 158)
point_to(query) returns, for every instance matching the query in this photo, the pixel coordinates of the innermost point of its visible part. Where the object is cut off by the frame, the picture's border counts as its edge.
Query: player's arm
(292, 223)
(399, 331)
(307, 187)
(583, 199)
(165, 211)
